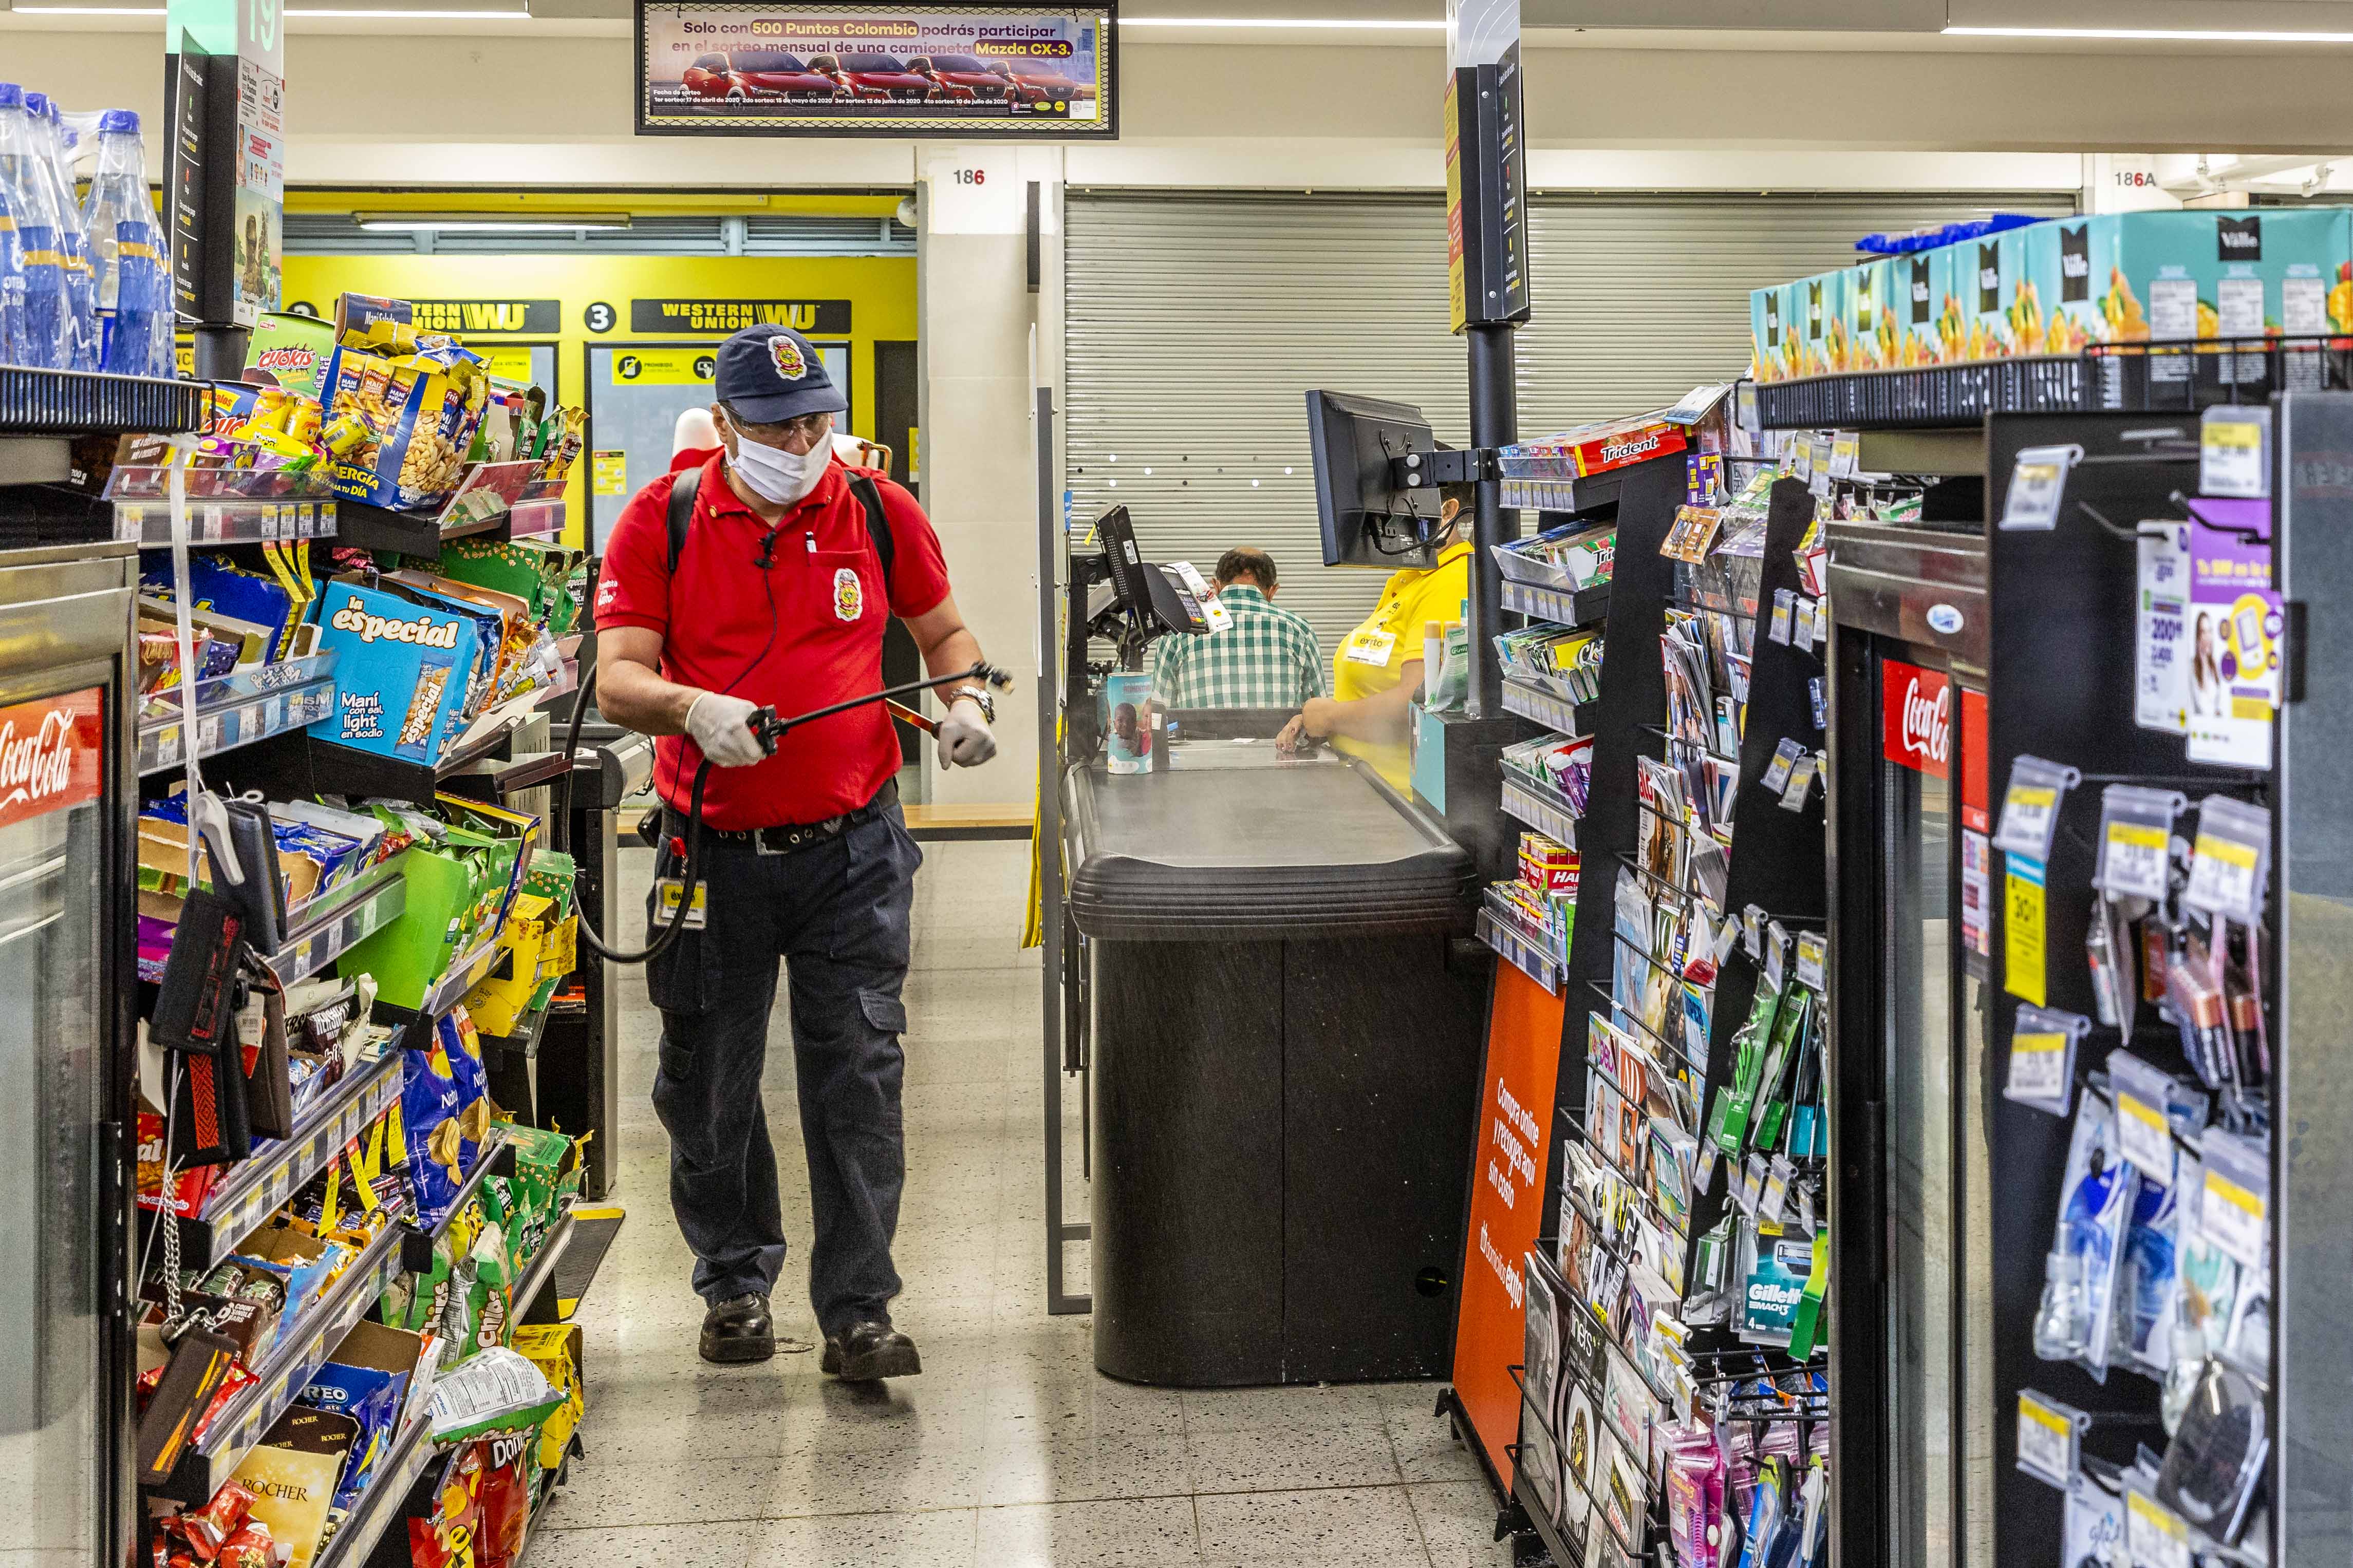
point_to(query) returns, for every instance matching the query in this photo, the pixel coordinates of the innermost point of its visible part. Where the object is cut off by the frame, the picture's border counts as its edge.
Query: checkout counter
(1284, 1045)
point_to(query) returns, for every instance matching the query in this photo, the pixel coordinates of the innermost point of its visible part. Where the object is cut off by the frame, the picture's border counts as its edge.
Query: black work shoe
(738, 1329)
(865, 1352)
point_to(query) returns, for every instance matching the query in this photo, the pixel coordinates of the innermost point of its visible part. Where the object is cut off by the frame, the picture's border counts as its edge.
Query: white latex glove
(721, 726)
(963, 738)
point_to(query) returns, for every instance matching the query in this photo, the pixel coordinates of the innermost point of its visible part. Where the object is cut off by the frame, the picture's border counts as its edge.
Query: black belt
(786, 837)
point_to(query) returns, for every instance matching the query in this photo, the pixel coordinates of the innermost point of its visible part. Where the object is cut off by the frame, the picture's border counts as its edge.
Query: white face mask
(778, 476)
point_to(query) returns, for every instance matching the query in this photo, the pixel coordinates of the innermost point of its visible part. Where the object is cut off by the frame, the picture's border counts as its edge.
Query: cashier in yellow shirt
(1378, 670)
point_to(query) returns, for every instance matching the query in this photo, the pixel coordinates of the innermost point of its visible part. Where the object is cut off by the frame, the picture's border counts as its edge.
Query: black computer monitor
(1367, 519)
(1143, 589)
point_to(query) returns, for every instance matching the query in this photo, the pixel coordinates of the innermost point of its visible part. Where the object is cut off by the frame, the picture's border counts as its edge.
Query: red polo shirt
(806, 633)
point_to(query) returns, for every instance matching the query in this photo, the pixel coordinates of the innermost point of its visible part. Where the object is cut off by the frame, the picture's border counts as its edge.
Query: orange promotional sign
(1507, 1183)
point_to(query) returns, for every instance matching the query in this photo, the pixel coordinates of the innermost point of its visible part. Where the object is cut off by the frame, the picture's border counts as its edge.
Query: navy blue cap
(770, 374)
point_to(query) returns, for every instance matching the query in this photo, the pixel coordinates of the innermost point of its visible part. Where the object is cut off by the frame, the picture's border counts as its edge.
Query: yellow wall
(881, 292)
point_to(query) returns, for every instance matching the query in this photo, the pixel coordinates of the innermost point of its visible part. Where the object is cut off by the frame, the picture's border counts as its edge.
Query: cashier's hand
(962, 736)
(1311, 723)
(721, 726)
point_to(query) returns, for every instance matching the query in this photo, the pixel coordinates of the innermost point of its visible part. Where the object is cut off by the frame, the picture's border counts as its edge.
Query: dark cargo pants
(837, 912)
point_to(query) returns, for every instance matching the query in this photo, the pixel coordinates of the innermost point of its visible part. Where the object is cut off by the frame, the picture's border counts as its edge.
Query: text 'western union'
(830, 317)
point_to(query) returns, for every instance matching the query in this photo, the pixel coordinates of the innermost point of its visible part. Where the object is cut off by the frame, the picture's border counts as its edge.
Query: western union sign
(829, 317)
(544, 317)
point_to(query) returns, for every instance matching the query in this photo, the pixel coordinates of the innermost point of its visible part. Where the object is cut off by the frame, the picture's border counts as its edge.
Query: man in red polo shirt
(789, 570)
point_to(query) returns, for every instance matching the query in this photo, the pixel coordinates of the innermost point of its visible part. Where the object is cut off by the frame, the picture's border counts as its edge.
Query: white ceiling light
(532, 222)
(2159, 35)
(356, 15)
(1350, 24)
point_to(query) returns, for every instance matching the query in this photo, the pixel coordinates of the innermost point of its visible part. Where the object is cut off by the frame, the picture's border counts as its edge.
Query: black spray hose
(769, 727)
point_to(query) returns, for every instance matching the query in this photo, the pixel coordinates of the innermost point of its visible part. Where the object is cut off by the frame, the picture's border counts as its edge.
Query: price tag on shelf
(1773, 1204)
(1785, 604)
(2143, 1135)
(306, 520)
(267, 512)
(1801, 782)
(2222, 877)
(1846, 448)
(167, 745)
(2024, 941)
(2154, 1536)
(128, 523)
(2135, 859)
(2026, 814)
(2235, 1218)
(1785, 759)
(215, 523)
(1813, 947)
(1801, 635)
(1752, 1186)
(2037, 482)
(208, 733)
(2234, 450)
(2038, 1067)
(2047, 1438)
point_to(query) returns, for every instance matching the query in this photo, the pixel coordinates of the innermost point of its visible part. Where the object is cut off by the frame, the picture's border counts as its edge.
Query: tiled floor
(1010, 1450)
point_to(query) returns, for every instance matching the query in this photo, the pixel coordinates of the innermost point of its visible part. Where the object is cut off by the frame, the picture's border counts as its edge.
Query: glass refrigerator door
(54, 1415)
(1912, 1177)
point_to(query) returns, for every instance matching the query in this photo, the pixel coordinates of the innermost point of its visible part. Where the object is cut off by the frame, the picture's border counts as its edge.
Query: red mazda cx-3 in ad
(756, 73)
(1035, 84)
(870, 77)
(961, 78)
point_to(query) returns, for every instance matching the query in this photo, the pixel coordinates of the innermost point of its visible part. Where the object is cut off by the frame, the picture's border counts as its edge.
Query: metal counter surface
(1225, 845)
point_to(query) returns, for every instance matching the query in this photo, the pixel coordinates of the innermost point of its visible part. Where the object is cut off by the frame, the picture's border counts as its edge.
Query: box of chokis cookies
(401, 406)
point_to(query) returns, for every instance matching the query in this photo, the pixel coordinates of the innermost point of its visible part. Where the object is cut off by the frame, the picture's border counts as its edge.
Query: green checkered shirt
(1266, 658)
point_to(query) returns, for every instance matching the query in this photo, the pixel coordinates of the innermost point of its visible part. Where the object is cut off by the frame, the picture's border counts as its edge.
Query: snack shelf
(463, 975)
(488, 1163)
(379, 1508)
(348, 771)
(536, 518)
(525, 1041)
(1542, 807)
(1554, 712)
(541, 1271)
(262, 1183)
(325, 928)
(235, 710)
(69, 403)
(1579, 608)
(1570, 495)
(1533, 961)
(286, 1372)
(484, 500)
(225, 520)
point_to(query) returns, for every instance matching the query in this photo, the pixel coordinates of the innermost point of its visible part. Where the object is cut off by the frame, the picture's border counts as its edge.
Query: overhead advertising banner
(736, 70)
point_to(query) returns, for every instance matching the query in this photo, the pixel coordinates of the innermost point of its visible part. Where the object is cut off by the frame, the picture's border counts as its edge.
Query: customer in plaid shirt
(1266, 659)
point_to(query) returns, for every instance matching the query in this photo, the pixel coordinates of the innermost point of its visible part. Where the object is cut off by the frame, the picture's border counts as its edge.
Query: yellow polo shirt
(1373, 658)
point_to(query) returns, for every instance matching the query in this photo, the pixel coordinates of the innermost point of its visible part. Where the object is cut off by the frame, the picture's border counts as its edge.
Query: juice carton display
(1764, 327)
(1983, 281)
(1823, 341)
(402, 671)
(2078, 293)
(1866, 303)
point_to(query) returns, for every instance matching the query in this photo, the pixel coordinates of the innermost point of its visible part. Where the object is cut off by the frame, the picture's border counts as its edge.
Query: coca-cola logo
(1928, 721)
(38, 765)
(50, 752)
(1917, 713)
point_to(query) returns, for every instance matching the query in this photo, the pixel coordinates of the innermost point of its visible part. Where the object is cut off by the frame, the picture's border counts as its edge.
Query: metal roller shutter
(1195, 325)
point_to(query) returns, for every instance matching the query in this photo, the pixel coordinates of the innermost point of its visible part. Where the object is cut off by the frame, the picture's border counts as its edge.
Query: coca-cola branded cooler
(1909, 830)
(67, 1010)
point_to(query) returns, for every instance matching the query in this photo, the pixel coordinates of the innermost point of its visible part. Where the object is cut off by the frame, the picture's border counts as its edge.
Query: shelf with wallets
(1507, 941)
(302, 1350)
(1539, 805)
(237, 710)
(259, 1184)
